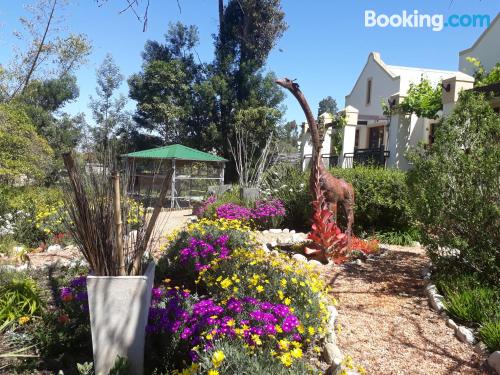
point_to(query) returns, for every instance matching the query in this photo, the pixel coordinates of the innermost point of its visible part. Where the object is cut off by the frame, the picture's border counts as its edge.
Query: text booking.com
(414, 19)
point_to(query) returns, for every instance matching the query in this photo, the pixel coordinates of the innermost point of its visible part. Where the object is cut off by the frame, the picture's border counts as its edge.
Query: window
(356, 140)
(369, 91)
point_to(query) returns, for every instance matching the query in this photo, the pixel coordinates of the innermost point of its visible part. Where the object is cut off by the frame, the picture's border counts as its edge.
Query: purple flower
(289, 323)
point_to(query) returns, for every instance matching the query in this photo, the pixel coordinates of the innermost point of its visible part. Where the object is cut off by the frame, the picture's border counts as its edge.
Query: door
(376, 137)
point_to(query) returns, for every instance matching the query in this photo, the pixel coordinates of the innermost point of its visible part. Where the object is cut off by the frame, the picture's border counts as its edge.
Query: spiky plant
(97, 199)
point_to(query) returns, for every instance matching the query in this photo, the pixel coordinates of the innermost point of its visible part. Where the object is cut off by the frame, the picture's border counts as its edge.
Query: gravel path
(387, 325)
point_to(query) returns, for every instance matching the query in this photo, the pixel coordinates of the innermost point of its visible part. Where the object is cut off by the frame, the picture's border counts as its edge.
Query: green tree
(327, 105)
(173, 95)
(108, 109)
(249, 30)
(423, 100)
(23, 153)
(456, 192)
(48, 54)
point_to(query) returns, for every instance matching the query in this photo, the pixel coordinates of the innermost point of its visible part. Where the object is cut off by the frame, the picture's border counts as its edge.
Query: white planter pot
(119, 307)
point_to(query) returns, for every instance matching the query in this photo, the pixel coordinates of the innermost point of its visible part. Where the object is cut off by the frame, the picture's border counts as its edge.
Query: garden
(279, 269)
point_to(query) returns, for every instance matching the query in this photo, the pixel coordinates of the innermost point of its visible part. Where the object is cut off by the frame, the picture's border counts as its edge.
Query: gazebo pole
(172, 199)
(223, 164)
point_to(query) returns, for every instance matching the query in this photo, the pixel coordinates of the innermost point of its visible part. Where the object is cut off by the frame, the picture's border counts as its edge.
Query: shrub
(261, 214)
(382, 200)
(470, 301)
(490, 334)
(34, 213)
(456, 191)
(240, 301)
(287, 183)
(207, 231)
(19, 299)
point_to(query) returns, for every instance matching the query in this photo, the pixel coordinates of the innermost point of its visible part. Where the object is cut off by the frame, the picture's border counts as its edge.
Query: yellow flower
(217, 358)
(287, 301)
(283, 283)
(284, 344)
(256, 339)
(296, 353)
(226, 283)
(213, 372)
(311, 331)
(260, 288)
(286, 359)
(24, 319)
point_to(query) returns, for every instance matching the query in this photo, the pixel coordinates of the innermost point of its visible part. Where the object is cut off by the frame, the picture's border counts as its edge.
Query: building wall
(383, 86)
(486, 49)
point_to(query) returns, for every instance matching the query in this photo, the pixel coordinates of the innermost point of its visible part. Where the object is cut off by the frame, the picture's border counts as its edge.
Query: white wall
(486, 49)
(383, 86)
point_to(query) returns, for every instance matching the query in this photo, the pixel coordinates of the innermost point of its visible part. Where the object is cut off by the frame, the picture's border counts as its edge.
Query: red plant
(328, 240)
(365, 246)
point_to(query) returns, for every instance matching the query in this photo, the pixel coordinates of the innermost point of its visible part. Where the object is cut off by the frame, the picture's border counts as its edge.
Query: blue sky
(325, 47)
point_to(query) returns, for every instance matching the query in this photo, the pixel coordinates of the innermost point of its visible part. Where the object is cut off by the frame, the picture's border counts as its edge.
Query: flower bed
(240, 301)
(222, 305)
(261, 214)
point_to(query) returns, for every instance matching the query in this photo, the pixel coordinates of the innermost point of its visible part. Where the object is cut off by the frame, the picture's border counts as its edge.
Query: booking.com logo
(436, 22)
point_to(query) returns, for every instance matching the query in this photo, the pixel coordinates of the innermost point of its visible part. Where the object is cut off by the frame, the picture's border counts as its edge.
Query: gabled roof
(476, 43)
(174, 152)
(397, 72)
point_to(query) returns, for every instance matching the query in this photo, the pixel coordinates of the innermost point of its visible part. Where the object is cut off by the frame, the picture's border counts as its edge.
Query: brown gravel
(387, 325)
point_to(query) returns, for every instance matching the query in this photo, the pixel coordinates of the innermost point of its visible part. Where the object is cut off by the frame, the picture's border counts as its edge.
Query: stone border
(462, 333)
(331, 354)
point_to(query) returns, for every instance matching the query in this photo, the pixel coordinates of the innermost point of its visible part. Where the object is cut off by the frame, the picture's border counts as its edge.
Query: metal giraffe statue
(335, 190)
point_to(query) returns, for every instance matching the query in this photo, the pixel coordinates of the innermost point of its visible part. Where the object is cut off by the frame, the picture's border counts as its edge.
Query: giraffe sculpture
(335, 190)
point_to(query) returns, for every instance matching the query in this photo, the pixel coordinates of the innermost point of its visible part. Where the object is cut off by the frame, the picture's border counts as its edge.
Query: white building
(385, 139)
(381, 83)
(486, 49)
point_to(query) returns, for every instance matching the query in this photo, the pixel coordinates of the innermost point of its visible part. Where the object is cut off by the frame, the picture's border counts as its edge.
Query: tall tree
(249, 29)
(174, 98)
(327, 105)
(47, 53)
(108, 109)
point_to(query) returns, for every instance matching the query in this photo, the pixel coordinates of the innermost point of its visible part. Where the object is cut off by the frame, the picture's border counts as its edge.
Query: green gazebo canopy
(179, 152)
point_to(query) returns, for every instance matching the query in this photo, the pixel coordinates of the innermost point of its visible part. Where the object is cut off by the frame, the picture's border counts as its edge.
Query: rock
(299, 257)
(292, 231)
(494, 361)
(299, 237)
(286, 230)
(331, 352)
(265, 248)
(481, 349)
(444, 315)
(275, 253)
(265, 231)
(333, 313)
(331, 337)
(315, 263)
(22, 267)
(273, 244)
(464, 334)
(431, 289)
(54, 248)
(426, 270)
(275, 231)
(451, 323)
(436, 302)
(358, 262)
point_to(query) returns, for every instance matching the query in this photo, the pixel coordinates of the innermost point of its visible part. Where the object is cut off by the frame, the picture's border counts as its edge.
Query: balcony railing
(372, 157)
